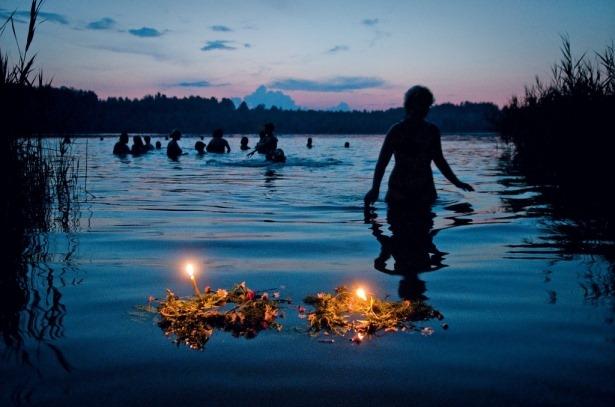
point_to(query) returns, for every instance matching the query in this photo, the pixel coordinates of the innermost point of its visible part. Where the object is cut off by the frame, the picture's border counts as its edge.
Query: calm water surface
(529, 323)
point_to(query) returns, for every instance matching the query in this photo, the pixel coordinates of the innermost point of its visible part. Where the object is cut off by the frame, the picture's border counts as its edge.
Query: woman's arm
(383, 160)
(446, 169)
(228, 147)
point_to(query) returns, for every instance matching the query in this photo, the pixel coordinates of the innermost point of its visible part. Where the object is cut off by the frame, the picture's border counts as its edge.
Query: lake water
(529, 322)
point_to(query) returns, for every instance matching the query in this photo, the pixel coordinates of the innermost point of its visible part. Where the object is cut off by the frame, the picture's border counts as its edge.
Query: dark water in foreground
(529, 322)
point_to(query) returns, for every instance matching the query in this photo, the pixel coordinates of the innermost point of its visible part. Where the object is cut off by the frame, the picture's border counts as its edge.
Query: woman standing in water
(415, 144)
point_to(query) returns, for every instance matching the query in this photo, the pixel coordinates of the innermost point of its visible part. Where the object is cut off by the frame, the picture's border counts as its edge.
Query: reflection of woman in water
(411, 247)
(415, 144)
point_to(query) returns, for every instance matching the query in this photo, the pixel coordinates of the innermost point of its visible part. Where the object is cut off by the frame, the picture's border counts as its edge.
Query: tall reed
(563, 130)
(40, 182)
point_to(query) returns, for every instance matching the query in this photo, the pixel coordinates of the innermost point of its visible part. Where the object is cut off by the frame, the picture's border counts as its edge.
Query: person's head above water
(218, 133)
(124, 137)
(417, 101)
(269, 128)
(244, 141)
(137, 140)
(158, 145)
(176, 135)
(147, 139)
(199, 146)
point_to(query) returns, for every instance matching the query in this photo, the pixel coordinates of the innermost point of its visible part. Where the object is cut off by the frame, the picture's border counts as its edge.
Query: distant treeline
(49, 110)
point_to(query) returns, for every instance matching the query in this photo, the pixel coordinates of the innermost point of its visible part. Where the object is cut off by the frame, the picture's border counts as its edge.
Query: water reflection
(43, 207)
(271, 178)
(410, 245)
(570, 228)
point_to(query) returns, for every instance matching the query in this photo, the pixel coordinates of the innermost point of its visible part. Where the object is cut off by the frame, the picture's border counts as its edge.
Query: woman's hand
(371, 196)
(465, 187)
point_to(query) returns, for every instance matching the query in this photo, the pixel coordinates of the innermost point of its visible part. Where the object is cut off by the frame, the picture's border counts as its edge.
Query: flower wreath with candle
(346, 311)
(193, 320)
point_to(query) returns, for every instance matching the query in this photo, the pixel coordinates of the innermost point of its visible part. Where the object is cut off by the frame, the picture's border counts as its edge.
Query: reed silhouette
(42, 189)
(563, 131)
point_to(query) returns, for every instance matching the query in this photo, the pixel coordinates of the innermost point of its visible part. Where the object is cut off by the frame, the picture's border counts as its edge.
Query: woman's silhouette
(415, 144)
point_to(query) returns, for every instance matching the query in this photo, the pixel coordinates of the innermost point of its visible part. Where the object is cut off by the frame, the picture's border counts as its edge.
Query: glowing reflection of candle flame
(361, 293)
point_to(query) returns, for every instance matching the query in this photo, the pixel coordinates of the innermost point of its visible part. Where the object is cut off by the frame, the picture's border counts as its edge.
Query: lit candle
(190, 271)
(361, 293)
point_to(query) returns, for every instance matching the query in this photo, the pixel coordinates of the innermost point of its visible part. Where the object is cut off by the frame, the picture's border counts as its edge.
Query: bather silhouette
(218, 144)
(121, 147)
(415, 143)
(268, 142)
(309, 142)
(268, 145)
(138, 147)
(173, 149)
(244, 143)
(148, 143)
(199, 146)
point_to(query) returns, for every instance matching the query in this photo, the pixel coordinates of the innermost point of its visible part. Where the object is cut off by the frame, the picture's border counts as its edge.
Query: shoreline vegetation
(564, 139)
(41, 181)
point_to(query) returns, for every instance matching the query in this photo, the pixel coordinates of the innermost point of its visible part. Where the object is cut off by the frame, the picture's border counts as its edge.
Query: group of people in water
(415, 144)
(267, 145)
(139, 146)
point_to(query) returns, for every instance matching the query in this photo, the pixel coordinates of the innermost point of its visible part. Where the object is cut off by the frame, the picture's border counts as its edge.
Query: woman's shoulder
(432, 128)
(396, 129)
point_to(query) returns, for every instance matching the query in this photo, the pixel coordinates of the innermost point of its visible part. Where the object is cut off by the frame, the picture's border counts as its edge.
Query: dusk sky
(365, 53)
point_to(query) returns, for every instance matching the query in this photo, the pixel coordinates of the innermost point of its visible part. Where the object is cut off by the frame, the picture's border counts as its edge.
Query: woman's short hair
(418, 98)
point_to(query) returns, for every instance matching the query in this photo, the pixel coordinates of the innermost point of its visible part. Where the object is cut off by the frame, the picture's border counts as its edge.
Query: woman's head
(137, 140)
(124, 137)
(244, 141)
(269, 128)
(176, 135)
(417, 100)
(218, 133)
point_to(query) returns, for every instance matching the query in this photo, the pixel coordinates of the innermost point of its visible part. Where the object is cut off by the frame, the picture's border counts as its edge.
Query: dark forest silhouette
(49, 109)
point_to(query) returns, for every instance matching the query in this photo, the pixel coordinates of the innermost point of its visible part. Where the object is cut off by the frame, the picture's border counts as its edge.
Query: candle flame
(190, 270)
(361, 293)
